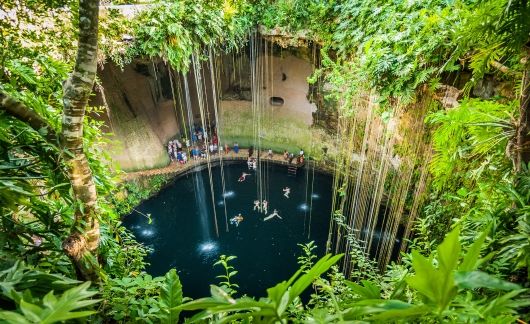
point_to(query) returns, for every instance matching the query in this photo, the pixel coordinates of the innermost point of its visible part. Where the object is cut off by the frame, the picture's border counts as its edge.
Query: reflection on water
(147, 232)
(303, 207)
(315, 196)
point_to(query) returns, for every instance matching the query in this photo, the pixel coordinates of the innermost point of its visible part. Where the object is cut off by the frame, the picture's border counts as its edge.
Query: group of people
(261, 206)
(239, 218)
(300, 158)
(198, 148)
(176, 152)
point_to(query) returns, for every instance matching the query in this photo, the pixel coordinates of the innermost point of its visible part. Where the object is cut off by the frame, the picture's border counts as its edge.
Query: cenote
(182, 231)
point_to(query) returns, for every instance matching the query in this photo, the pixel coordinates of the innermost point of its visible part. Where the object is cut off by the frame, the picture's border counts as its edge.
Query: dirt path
(175, 168)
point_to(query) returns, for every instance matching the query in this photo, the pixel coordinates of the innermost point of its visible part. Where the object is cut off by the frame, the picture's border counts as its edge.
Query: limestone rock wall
(147, 102)
(141, 113)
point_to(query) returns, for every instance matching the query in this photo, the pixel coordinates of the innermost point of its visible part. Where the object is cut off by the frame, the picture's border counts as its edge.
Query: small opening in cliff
(143, 69)
(277, 101)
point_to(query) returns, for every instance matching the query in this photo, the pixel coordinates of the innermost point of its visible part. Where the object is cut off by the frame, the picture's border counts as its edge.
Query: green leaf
(219, 294)
(424, 279)
(393, 309)
(306, 279)
(30, 311)
(470, 261)
(62, 308)
(367, 291)
(449, 251)
(479, 279)
(202, 303)
(12, 317)
(284, 302)
(170, 297)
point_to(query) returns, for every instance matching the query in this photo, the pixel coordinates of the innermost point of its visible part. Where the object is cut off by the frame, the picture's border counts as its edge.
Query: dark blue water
(182, 233)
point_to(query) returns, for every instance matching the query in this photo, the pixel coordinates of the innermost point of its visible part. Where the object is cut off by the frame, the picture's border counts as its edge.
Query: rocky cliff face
(140, 113)
(147, 104)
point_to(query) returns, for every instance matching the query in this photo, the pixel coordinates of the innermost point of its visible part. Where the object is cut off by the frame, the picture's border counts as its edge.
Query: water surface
(182, 233)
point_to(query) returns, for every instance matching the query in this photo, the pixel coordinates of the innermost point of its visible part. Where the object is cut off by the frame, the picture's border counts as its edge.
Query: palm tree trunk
(83, 241)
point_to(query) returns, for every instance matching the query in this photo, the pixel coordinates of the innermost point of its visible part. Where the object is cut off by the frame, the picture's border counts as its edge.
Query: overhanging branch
(25, 114)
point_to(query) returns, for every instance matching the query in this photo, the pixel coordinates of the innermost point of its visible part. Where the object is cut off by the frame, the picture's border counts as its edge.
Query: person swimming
(274, 214)
(257, 205)
(236, 220)
(265, 206)
(286, 192)
(249, 163)
(243, 177)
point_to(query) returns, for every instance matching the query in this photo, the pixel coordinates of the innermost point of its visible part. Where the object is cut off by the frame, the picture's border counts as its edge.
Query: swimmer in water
(236, 220)
(257, 205)
(243, 177)
(286, 192)
(274, 214)
(265, 206)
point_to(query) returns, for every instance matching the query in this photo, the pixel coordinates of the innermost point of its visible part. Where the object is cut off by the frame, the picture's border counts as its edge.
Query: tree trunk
(83, 241)
(522, 136)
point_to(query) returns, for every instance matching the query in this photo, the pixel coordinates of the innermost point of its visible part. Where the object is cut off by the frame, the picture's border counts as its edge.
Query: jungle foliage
(471, 251)
(174, 30)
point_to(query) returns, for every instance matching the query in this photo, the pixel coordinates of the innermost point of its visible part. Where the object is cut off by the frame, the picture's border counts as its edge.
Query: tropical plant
(30, 294)
(143, 298)
(226, 284)
(445, 284)
(224, 308)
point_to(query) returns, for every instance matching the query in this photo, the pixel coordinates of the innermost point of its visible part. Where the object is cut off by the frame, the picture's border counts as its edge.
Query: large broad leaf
(437, 284)
(306, 279)
(62, 308)
(268, 309)
(449, 251)
(367, 291)
(385, 309)
(170, 297)
(479, 279)
(424, 280)
(202, 303)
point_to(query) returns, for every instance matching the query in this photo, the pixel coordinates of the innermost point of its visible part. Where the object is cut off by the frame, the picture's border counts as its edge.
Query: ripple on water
(147, 232)
(303, 207)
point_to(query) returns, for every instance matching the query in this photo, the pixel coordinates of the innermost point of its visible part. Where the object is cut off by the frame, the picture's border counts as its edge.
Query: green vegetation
(174, 30)
(65, 256)
(131, 193)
